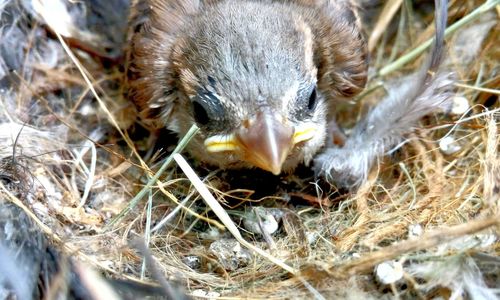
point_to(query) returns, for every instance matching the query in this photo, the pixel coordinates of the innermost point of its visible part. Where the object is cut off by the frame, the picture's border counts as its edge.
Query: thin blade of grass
(386, 16)
(490, 4)
(147, 232)
(182, 144)
(221, 213)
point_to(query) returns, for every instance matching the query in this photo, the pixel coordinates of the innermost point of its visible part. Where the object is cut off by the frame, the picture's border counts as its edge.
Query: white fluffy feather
(391, 119)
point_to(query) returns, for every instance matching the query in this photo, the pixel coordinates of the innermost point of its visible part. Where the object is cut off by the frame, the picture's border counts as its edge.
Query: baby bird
(260, 78)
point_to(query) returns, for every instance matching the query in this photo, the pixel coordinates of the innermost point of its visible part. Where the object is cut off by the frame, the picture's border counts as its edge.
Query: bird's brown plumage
(239, 67)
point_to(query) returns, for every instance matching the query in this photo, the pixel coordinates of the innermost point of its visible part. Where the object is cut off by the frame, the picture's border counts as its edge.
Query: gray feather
(391, 119)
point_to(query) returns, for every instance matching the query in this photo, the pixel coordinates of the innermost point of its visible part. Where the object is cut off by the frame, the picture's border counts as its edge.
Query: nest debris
(433, 214)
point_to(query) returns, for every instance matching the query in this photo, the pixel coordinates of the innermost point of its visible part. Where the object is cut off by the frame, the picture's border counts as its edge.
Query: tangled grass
(430, 213)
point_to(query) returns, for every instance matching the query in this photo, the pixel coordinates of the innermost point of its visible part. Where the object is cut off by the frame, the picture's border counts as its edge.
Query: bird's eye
(200, 114)
(312, 99)
(208, 111)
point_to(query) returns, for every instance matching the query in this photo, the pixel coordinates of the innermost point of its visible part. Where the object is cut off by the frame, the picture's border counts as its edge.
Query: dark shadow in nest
(299, 188)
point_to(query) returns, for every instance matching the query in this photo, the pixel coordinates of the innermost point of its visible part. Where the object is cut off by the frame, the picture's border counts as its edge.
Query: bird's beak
(266, 141)
(263, 141)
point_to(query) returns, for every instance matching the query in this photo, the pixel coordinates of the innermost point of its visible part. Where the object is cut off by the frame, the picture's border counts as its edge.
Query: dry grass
(83, 147)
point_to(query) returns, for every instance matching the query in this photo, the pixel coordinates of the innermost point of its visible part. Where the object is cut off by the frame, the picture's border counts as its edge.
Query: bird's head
(250, 83)
(255, 76)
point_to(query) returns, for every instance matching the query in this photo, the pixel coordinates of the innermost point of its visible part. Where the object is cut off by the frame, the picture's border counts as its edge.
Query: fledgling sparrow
(260, 78)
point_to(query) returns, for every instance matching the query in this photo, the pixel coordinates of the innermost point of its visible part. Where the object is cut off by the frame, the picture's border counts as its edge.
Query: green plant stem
(152, 181)
(420, 49)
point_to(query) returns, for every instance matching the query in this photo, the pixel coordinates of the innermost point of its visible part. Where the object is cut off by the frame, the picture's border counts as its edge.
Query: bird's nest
(424, 224)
